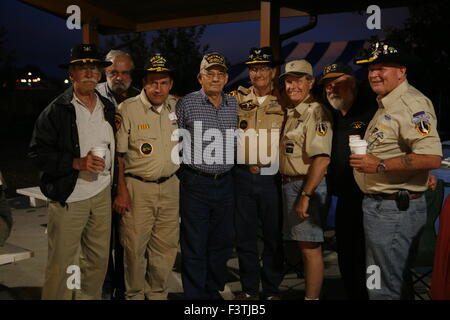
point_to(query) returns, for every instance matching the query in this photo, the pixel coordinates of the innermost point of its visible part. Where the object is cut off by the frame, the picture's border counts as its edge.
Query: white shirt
(93, 130)
(261, 99)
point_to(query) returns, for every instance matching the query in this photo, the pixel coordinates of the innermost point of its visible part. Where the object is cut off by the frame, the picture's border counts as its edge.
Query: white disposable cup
(358, 146)
(99, 152)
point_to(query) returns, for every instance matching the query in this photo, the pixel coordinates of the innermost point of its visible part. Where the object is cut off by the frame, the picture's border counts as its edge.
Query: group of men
(216, 171)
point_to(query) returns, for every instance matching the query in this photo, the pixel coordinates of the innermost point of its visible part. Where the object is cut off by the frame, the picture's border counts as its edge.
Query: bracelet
(306, 194)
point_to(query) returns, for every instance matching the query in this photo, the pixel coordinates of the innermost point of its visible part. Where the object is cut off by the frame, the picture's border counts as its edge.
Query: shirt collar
(206, 99)
(301, 107)
(98, 103)
(390, 99)
(147, 105)
(269, 97)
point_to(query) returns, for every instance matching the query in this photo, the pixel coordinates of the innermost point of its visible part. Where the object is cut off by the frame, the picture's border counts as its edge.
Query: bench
(37, 199)
(10, 253)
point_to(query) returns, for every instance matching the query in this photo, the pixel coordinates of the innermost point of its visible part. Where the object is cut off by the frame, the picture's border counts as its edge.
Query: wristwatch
(306, 194)
(381, 167)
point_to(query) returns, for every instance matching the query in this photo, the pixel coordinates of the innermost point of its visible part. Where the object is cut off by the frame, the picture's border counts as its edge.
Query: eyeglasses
(260, 69)
(115, 73)
(334, 86)
(212, 75)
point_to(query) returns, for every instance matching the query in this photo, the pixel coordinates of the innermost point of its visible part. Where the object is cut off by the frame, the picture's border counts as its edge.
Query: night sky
(42, 39)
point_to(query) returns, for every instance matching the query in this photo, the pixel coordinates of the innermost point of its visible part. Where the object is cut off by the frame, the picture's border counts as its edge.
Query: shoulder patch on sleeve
(321, 128)
(118, 120)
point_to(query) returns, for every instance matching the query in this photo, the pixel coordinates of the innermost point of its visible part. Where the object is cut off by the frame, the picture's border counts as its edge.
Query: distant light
(29, 80)
(29, 73)
(23, 80)
(38, 79)
(66, 81)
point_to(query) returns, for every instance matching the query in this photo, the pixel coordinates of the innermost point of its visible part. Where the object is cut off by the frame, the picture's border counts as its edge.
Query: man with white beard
(353, 107)
(117, 87)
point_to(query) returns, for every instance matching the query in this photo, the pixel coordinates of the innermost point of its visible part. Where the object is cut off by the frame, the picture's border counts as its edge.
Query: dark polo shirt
(340, 174)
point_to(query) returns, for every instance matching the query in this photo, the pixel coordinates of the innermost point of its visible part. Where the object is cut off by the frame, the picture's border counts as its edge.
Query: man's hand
(301, 207)
(432, 182)
(89, 163)
(366, 163)
(122, 202)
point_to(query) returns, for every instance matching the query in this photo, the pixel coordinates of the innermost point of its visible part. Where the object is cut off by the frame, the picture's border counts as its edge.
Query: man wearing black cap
(148, 192)
(353, 109)
(73, 147)
(258, 192)
(403, 145)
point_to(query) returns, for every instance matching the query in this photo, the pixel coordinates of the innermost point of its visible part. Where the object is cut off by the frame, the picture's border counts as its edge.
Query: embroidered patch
(289, 147)
(143, 127)
(422, 122)
(118, 120)
(387, 117)
(321, 128)
(247, 106)
(423, 128)
(358, 124)
(243, 124)
(146, 148)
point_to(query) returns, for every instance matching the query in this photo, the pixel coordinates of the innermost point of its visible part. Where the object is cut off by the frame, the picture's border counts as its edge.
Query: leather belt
(204, 174)
(394, 196)
(292, 178)
(158, 181)
(254, 169)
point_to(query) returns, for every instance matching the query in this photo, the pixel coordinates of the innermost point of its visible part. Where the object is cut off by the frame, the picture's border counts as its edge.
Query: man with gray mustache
(78, 183)
(117, 87)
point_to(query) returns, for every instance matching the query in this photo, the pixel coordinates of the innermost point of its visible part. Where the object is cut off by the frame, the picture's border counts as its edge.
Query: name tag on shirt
(173, 116)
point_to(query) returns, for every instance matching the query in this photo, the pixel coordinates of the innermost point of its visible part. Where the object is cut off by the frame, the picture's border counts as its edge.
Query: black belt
(209, 175)
(285, 178)
(394, 196)
(160, 180)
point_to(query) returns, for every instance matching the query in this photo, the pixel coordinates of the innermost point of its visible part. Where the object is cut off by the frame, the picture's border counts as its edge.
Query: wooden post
(270, 27)
(90, 32)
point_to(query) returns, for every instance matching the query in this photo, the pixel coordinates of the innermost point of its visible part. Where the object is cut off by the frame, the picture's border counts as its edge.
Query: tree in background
(180, 46)
(425, 35)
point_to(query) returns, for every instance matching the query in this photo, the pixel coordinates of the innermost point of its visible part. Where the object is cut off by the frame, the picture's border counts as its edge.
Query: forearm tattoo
(407, 162)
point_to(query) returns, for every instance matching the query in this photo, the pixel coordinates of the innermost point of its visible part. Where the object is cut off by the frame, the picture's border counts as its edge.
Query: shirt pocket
(142, 142)
(274, 116)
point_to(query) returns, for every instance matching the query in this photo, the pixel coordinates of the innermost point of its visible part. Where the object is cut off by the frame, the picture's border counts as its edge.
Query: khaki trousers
(149, 235)
(78, 239)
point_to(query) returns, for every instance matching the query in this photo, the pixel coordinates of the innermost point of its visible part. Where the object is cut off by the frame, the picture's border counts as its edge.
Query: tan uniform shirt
(145, 136)
(258, 141)
(307, 133)
(404, 123)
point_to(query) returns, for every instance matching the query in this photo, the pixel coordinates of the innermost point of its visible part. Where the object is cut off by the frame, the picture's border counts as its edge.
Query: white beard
(336, 103)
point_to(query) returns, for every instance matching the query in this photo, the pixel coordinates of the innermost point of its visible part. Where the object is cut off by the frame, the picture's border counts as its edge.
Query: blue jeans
(258, 208)
(391, 236)
(206, 234)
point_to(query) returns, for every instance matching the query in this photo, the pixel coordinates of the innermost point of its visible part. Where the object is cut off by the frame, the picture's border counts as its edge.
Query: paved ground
(23, 280)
